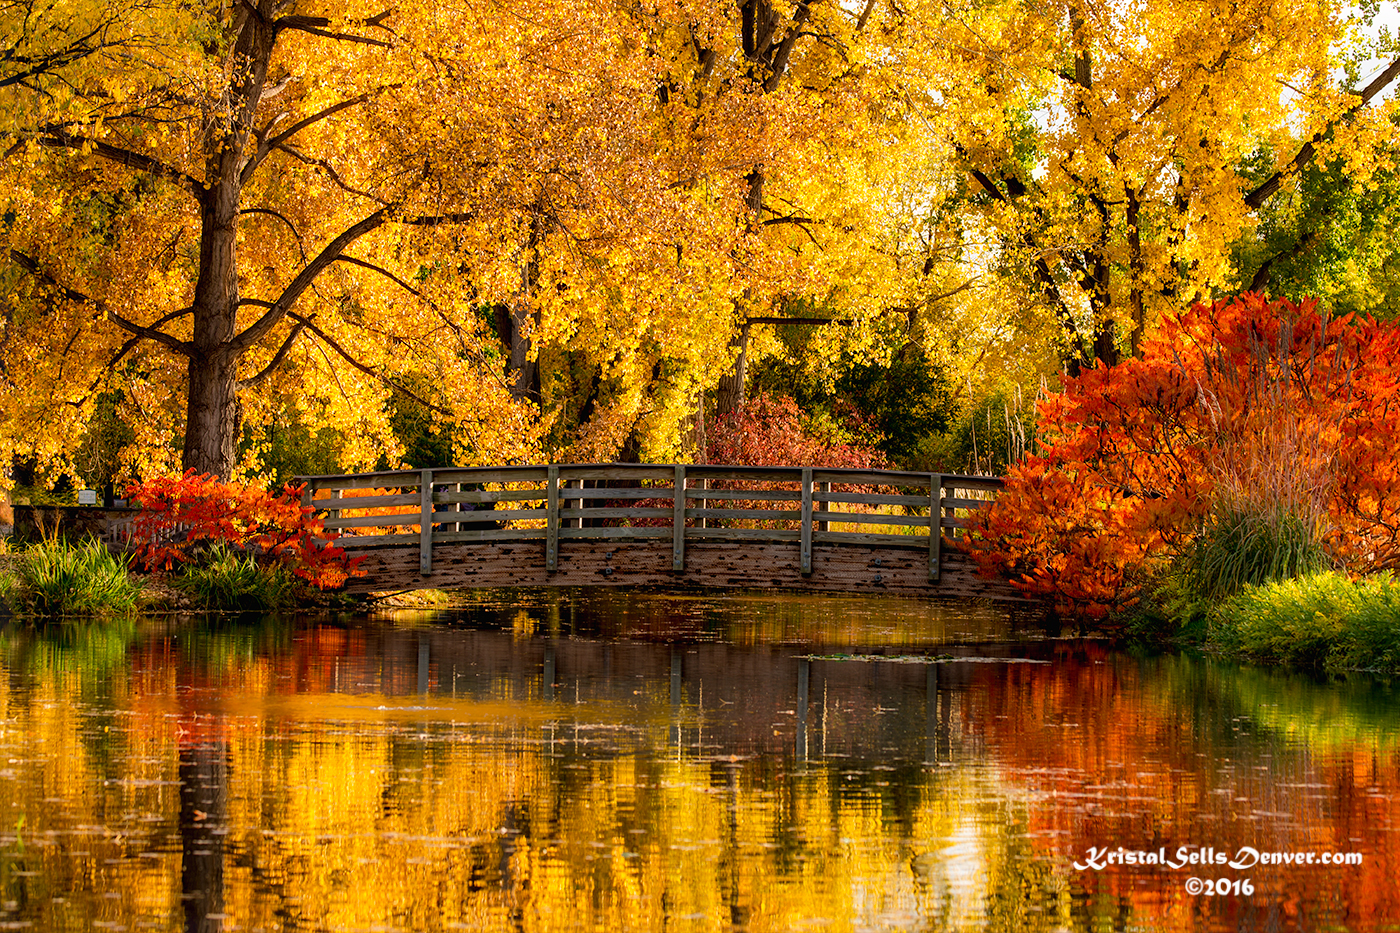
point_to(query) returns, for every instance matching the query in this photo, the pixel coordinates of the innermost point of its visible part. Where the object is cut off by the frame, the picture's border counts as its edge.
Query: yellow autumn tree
(1115, 151)
(218, 210)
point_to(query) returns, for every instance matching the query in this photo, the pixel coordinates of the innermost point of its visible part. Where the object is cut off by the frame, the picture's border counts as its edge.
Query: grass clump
(1325, 621)
(1249, 547)
(54, 578)
(233, 580)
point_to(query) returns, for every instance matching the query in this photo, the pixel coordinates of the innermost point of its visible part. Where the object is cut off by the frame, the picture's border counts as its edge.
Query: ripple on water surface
(543, 761)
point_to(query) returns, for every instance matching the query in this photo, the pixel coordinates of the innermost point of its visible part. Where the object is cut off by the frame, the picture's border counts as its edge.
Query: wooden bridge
(803, 528)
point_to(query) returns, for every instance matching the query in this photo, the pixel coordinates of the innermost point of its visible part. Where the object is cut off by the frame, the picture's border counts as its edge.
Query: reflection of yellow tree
(354, 812)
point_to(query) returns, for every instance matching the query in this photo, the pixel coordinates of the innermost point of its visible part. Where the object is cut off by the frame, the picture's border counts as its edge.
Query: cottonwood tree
(1116, 155)
(205, 203)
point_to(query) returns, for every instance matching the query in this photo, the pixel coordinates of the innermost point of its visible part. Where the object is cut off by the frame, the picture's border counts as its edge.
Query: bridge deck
(805, 528)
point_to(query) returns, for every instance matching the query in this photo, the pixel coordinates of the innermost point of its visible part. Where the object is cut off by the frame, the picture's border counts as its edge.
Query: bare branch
(133, 341)
(316, 26)
(329, 170)
(266, 146)
(367, 370)
(281, 307)
(382, 271)
(290, 226)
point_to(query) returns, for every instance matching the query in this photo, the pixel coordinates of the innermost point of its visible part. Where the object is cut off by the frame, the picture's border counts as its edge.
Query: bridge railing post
(678, 521)
(806, 521)
(551, 542)
(425, 522)
(935, 525)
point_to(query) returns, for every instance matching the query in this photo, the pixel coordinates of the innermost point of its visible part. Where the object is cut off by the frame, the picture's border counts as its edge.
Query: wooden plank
(861, 498)
(494, 515)
(754, 514)
(744, 534)
(336, 503)
(425, 524)
(806, 545)
(481, 495)
(614, 513)
(935, 537)
(551, 547)
(360, 480)
(959, 481)
(872, 478)
(625, 531)
(761, 474)
(821, 502)
(874, 518)
(493, 474)
(678, 520)
(645, 492)
(631, 471)
(375, 521)
(492, 534)
(850, 537)
(967, 503)
(754, 495)
(359, 541)
(704, 488)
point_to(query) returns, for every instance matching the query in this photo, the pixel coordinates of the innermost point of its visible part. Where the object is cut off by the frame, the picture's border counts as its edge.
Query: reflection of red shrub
(1246, 405)
(179, 514)
(767, 431)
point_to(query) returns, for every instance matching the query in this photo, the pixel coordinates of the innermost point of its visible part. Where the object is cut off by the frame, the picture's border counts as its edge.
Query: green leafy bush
(1324, 620)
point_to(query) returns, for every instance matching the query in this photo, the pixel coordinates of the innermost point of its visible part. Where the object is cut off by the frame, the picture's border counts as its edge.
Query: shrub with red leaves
(181, 515)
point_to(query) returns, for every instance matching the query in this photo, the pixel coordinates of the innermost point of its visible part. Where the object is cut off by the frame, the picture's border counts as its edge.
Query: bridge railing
(680, 502)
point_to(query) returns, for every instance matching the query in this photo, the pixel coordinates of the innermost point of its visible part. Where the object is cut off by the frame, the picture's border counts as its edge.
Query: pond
(588, 760)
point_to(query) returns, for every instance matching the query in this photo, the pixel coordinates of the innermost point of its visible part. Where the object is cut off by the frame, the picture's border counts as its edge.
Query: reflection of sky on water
(649, 762)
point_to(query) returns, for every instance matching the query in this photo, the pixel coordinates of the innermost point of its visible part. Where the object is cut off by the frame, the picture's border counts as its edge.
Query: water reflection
(654, 762)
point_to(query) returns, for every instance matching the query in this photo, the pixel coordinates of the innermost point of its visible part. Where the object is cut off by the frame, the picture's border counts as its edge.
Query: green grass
(231, 580)
(1242, 548)
(58, 579)
(1324, 621)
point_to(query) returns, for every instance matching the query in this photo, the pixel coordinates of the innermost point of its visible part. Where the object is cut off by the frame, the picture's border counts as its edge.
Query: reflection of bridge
(806, 528)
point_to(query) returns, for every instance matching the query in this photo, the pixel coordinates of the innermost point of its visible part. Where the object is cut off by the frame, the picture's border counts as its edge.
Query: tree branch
(133, 341)
(367, 370)
(290, 226)
(30, 265)
(58, 137)
(1256, 198)
(276, 357)
(266, 146)
(316, 26)
(281, 307)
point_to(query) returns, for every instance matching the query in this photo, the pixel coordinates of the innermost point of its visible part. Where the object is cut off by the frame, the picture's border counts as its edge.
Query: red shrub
(178, 515)
(1243, 404)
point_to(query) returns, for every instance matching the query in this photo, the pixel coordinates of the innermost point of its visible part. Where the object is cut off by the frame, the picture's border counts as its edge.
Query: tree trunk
(211, 412)
(211, 417)
(730, 394)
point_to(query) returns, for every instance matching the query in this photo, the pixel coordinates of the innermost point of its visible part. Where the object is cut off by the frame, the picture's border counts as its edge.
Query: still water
(576, 761)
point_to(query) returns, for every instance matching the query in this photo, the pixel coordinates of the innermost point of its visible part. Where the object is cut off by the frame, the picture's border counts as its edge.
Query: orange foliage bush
(1245, 404)
(179, 514)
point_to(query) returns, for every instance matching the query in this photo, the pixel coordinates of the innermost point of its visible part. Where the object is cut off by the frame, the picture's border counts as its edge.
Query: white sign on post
(87, 496)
